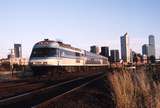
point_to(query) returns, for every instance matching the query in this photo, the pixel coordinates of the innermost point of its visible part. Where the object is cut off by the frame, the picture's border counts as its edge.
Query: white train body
(49, 54)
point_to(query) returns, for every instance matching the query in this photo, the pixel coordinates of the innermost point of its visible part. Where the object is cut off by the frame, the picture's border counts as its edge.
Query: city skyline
(79, 23)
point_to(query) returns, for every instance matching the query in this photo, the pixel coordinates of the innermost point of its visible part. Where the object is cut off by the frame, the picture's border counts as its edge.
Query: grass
(134, 89)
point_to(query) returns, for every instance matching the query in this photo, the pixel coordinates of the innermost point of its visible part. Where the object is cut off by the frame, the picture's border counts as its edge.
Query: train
(55, 57)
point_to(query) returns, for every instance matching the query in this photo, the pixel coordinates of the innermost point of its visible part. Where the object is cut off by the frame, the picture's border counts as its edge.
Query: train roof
(47, 42)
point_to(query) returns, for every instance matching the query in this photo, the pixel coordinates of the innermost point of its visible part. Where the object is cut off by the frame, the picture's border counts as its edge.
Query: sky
(81, 23)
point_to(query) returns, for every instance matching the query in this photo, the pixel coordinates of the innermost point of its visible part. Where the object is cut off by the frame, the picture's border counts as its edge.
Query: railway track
(45, 93)
(8, 90)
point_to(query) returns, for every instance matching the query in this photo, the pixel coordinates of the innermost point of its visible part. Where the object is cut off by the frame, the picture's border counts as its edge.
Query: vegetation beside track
(139, 88)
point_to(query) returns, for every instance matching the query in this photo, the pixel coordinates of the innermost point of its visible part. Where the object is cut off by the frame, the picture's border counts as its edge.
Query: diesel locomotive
(49, 56)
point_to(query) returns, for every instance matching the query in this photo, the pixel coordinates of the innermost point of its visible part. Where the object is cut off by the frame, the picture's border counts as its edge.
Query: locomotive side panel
(70, 58)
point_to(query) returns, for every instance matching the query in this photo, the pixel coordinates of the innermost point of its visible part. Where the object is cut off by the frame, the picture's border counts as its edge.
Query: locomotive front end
(44, 56)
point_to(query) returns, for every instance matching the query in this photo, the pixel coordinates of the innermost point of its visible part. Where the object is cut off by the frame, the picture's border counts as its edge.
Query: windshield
(44, 52)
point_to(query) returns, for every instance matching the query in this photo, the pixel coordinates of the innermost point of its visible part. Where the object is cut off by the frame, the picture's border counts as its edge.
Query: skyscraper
(151, 46)
(131, 55)
(125, 50)
(145, 49)
(105, 51)
(18, 50)
(94, 49)
(114, 55)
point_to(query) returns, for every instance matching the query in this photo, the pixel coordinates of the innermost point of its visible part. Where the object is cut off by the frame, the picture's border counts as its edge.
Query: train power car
(50, 56)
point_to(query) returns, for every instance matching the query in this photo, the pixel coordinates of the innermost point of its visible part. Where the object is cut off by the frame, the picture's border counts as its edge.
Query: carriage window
(67, 53)
(77, 54)
(44, 52)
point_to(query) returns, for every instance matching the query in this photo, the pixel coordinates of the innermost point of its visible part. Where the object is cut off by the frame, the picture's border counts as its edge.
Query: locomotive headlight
(44, 62)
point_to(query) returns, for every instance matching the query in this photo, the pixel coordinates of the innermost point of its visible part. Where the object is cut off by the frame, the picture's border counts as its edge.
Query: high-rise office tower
(94, 49)
(18, 50)
(105, 51)
(131, 55)
(151, 46)
(114, 55)
(145, 49)
(125, 50)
